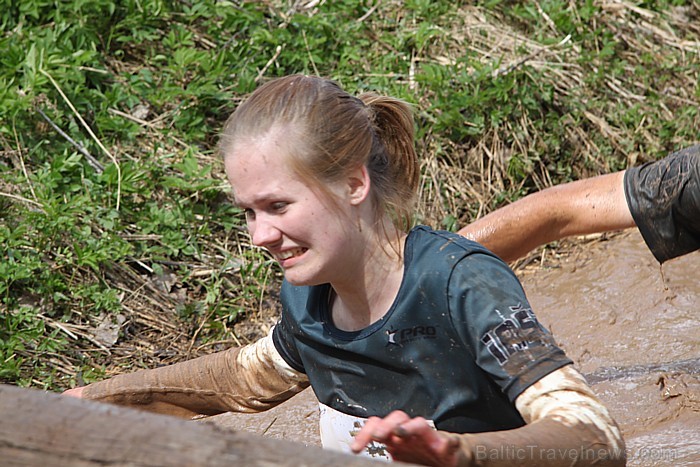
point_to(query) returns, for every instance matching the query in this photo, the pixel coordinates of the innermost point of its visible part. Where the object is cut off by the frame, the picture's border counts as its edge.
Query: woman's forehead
(259, 173)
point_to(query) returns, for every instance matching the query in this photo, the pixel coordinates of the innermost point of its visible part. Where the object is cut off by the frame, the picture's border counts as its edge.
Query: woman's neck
(365, 297)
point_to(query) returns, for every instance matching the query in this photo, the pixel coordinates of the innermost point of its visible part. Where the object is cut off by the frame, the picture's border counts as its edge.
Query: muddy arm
(566, 426)
(247, 379)
(582, 207)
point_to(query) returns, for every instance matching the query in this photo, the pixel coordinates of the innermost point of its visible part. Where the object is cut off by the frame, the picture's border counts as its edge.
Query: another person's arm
(246, 379)
(582, 207)
(566, 425)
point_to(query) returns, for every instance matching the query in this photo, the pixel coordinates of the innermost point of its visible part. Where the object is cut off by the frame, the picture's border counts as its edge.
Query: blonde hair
(332, 133)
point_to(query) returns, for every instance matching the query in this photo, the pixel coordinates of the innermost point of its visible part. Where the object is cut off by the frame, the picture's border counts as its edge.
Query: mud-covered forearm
(247, 379)
(566, 426)
(547, 442)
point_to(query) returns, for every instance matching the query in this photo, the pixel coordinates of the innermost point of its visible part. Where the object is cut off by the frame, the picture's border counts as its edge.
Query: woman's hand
(75, 392)
(409, 440)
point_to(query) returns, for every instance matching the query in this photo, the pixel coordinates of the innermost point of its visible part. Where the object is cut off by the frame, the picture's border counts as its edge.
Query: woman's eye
(278, 206)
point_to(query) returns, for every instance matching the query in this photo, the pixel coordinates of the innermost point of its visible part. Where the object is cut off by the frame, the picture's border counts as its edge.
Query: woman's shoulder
(443, 242)
(303, 297)
(434, 250)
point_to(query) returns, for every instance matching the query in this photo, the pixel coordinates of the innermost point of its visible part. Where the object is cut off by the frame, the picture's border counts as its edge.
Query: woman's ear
(358, 185)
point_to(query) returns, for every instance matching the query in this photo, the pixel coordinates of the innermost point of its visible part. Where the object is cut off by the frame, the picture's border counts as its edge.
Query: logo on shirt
(518, 332)
(403, 336)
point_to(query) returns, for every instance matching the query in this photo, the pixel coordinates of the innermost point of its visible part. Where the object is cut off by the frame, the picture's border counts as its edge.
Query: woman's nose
(264, 233)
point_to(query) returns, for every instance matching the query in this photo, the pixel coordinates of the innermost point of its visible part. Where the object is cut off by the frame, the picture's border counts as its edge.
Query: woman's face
(307, 236)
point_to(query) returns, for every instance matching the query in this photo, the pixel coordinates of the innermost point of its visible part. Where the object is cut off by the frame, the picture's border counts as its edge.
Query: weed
(113, 204)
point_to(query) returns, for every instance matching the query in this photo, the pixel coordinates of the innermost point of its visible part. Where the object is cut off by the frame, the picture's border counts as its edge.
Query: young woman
(420, 345)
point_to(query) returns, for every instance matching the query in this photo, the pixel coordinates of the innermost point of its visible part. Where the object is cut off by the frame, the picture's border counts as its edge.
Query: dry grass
(463, 179)
(469, 178)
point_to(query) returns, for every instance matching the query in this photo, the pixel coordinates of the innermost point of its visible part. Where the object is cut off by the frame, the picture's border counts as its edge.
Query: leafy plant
(114, 210)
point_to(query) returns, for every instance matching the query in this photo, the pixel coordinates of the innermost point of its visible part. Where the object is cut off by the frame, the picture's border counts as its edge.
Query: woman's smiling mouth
(287, 254)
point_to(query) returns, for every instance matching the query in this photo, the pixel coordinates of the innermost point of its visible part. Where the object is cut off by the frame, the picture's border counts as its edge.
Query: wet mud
(632, 328)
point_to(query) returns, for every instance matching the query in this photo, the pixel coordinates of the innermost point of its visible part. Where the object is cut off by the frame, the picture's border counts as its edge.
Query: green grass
(113, 200)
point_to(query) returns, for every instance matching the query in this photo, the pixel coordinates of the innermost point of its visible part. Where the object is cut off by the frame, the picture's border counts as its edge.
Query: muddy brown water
(631, 327)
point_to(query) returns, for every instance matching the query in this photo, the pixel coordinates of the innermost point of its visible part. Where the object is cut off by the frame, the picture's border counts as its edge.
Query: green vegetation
(120, 247)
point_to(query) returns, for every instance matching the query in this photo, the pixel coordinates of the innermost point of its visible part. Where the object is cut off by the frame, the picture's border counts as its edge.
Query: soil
(631, 327)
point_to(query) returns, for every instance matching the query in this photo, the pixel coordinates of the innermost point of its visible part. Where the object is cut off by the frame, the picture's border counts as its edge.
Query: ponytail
(392, 162)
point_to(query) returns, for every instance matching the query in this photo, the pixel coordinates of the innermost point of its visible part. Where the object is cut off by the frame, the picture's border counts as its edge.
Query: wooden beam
(47, 429)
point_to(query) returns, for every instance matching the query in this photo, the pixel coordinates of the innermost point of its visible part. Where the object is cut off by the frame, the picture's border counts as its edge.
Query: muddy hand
(75, 392)
(408, 440)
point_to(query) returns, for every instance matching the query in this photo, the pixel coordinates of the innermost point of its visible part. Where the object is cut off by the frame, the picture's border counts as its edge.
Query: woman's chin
(294, 278)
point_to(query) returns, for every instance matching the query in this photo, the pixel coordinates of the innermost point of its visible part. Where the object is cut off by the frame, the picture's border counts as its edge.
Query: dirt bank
(631, 327)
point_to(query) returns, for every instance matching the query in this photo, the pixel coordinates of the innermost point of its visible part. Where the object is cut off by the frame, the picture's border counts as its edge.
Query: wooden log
(48, 429)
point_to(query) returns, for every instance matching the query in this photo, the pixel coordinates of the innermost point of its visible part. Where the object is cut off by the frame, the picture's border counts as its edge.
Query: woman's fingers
(378, 429)
(75, 392)
(408, 439)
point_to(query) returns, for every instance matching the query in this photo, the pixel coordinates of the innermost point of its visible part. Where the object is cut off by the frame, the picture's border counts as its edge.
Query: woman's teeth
(290, 253)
